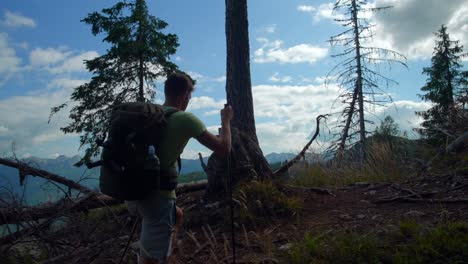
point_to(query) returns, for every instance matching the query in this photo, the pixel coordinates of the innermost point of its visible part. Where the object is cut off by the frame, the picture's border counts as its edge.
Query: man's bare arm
(220, 145)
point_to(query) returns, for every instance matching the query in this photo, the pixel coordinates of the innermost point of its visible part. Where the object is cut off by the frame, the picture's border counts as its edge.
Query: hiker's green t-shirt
(181, 127)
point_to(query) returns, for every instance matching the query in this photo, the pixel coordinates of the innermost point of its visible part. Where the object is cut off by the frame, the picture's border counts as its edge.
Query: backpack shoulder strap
(170, 111)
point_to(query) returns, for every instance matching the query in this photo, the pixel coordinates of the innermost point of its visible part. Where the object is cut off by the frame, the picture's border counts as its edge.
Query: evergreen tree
(139, 53)
(446, 84)
(387, 129)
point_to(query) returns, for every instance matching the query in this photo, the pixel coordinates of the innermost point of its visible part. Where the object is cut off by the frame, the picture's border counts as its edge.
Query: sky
(43, 45)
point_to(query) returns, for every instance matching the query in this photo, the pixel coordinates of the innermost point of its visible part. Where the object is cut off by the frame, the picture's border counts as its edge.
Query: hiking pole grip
(231, 205)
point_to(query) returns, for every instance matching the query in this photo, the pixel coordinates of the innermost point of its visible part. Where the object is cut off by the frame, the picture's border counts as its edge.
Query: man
(159, 212)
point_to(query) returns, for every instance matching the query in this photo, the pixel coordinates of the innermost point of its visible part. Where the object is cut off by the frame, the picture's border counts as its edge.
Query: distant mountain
(279, 157)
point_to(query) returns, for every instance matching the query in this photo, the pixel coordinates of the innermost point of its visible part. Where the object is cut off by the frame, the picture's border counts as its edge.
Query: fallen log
(459, 143)
(25, 170)
(96, 200)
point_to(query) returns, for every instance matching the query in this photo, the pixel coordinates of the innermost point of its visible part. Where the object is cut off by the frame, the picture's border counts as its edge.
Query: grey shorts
(157, 227)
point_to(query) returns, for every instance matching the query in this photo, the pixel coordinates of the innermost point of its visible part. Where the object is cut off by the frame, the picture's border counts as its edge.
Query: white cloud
(276, 78)
(290, 111)
(420, 19)
(17, 20)
(55, 155)
(193, 154)
(75, 63)
(323, 11)
(220, 79)
(268, 29)
(3, 130)
(46, 57)
(26, 155)
(196, 76)
(306, 8)
(60, 60)
(203, 102)
(403, 112)
(24, 45)
(26, 119)
(271, 51)
(10, 63)
(65, 83)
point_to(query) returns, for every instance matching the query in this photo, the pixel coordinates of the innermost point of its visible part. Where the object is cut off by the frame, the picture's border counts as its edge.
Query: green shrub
(263, 201)
(444, 244)
(410, 243)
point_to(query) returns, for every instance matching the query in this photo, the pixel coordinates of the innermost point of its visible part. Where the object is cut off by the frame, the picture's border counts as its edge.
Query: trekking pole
(233, 236)
(129, 240)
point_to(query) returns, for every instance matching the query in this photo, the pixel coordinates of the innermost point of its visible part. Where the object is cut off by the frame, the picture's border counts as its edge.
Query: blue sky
(43, 45)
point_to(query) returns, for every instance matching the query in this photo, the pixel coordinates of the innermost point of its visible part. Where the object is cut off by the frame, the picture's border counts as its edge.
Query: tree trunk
(360, 97)
(246, 160)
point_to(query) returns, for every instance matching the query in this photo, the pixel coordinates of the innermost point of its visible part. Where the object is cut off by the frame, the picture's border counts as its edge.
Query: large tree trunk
(247, 160)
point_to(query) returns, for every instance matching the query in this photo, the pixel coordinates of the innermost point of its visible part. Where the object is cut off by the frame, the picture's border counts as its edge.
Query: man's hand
(226, 114)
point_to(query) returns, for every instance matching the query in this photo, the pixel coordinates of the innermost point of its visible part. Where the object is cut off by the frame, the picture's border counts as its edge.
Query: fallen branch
(416, 200)
(25, 169)
(301, 154)
(457, 144)
(312, 189)
(15, 215)
(96, 200)
(202, 162)
(66, 258)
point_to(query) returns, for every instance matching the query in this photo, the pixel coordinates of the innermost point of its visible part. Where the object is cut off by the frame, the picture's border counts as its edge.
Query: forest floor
(361, 208)
(412, 221)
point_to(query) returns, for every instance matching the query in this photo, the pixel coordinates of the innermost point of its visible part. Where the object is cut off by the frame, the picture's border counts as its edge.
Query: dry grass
(381, 165)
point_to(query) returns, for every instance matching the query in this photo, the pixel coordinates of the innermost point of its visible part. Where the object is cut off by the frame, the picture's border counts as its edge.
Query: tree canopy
(138, 55)
(446, 84)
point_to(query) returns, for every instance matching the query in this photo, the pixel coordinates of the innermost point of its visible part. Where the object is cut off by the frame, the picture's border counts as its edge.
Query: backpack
(135, 128)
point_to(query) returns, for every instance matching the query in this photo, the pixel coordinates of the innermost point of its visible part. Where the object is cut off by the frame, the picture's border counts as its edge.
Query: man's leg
(159, 217)
(174, 250)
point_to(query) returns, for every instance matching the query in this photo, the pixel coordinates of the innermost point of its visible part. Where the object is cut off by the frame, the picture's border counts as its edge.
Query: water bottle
(152, 166)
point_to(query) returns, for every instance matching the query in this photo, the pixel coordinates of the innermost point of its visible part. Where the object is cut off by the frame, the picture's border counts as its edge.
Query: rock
(345, 217)
(372, 192)
(361, 216)
(414, 213)
(212, 205)
(281, 236)
(375, 217)
(285, 246)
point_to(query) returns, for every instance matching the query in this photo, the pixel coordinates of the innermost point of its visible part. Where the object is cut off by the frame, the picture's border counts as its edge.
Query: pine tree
(445, 85)
(387, 129)
(139, 54)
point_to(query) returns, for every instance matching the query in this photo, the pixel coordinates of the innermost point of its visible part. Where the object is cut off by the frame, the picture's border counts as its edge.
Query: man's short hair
(178, 84)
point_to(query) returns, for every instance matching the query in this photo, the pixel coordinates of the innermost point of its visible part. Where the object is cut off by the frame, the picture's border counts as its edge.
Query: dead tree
(355, 73)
